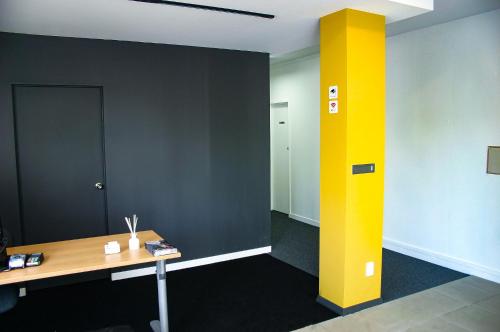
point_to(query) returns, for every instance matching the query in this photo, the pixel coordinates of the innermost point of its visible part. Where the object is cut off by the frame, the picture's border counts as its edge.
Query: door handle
(99, 186)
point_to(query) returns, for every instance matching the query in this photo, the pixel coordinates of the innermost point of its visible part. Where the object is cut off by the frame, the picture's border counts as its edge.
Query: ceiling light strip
(217, 9)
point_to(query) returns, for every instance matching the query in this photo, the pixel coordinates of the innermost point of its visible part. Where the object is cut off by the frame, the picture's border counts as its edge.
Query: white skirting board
(304, 219)
(191, 263)
(441, 259)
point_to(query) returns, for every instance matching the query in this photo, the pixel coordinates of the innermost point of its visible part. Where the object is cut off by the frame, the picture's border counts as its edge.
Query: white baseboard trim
(191, 263)
(304, 219)
(438, 258)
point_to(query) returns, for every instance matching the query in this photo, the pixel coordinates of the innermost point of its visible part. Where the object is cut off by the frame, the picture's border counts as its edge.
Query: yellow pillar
(352, 56)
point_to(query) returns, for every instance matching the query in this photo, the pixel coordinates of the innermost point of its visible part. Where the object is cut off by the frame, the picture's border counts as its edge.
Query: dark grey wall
(186, 135)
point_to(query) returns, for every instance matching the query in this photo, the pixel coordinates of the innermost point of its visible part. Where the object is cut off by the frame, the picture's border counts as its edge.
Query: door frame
(289, 136)
(16, 147)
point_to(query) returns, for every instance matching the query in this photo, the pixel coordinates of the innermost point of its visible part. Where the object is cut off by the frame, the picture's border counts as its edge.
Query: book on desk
(160, 248)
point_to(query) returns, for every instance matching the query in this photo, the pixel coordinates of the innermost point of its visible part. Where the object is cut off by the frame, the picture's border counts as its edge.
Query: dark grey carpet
(404, 275)
(258, 293)
(297, 244)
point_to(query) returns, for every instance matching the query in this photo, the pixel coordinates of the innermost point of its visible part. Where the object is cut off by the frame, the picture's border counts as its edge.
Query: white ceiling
(444, 11)
(295, 26)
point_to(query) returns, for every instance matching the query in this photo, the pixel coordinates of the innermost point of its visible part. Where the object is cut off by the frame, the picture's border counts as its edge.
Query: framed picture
(493, 160)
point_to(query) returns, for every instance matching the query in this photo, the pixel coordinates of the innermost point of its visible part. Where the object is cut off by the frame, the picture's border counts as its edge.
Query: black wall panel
(186, 135)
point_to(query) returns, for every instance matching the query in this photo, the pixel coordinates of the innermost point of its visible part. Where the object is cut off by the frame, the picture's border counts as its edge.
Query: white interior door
(280, 159)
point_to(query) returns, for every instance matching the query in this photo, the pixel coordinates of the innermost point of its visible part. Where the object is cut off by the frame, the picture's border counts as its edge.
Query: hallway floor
(469, 304)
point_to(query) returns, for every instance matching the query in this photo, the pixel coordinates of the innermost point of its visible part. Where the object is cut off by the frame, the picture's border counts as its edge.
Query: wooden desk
(85, 255)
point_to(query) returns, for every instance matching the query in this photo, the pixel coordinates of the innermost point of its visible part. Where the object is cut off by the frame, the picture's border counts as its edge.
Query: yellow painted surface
(352, 56)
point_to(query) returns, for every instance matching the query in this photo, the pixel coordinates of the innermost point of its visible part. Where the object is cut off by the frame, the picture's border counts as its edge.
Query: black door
(60, 158)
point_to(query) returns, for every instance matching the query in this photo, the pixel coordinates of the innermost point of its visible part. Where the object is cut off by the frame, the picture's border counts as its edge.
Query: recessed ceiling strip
(217, 9)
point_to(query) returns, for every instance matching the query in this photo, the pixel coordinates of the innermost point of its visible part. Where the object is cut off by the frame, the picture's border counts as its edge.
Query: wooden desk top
(82, 255)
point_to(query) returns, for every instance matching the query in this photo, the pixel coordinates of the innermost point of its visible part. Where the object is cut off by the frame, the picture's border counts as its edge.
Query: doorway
(60, 161)
(280, 158)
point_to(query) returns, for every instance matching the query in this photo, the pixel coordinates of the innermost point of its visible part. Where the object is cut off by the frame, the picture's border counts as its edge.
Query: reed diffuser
(133, 242)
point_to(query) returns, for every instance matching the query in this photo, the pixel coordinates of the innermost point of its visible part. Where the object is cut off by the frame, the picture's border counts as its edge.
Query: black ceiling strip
(218, 9)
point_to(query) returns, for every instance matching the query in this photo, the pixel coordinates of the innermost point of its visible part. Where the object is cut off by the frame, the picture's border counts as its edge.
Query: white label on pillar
(333, 106)
(370, 269)
(333, 91)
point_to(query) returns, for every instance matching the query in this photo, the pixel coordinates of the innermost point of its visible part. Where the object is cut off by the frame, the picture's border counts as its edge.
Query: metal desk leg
(161, 276)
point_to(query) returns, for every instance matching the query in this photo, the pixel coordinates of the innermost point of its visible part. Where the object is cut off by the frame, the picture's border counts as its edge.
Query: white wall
(443, 110)
(297, 82)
